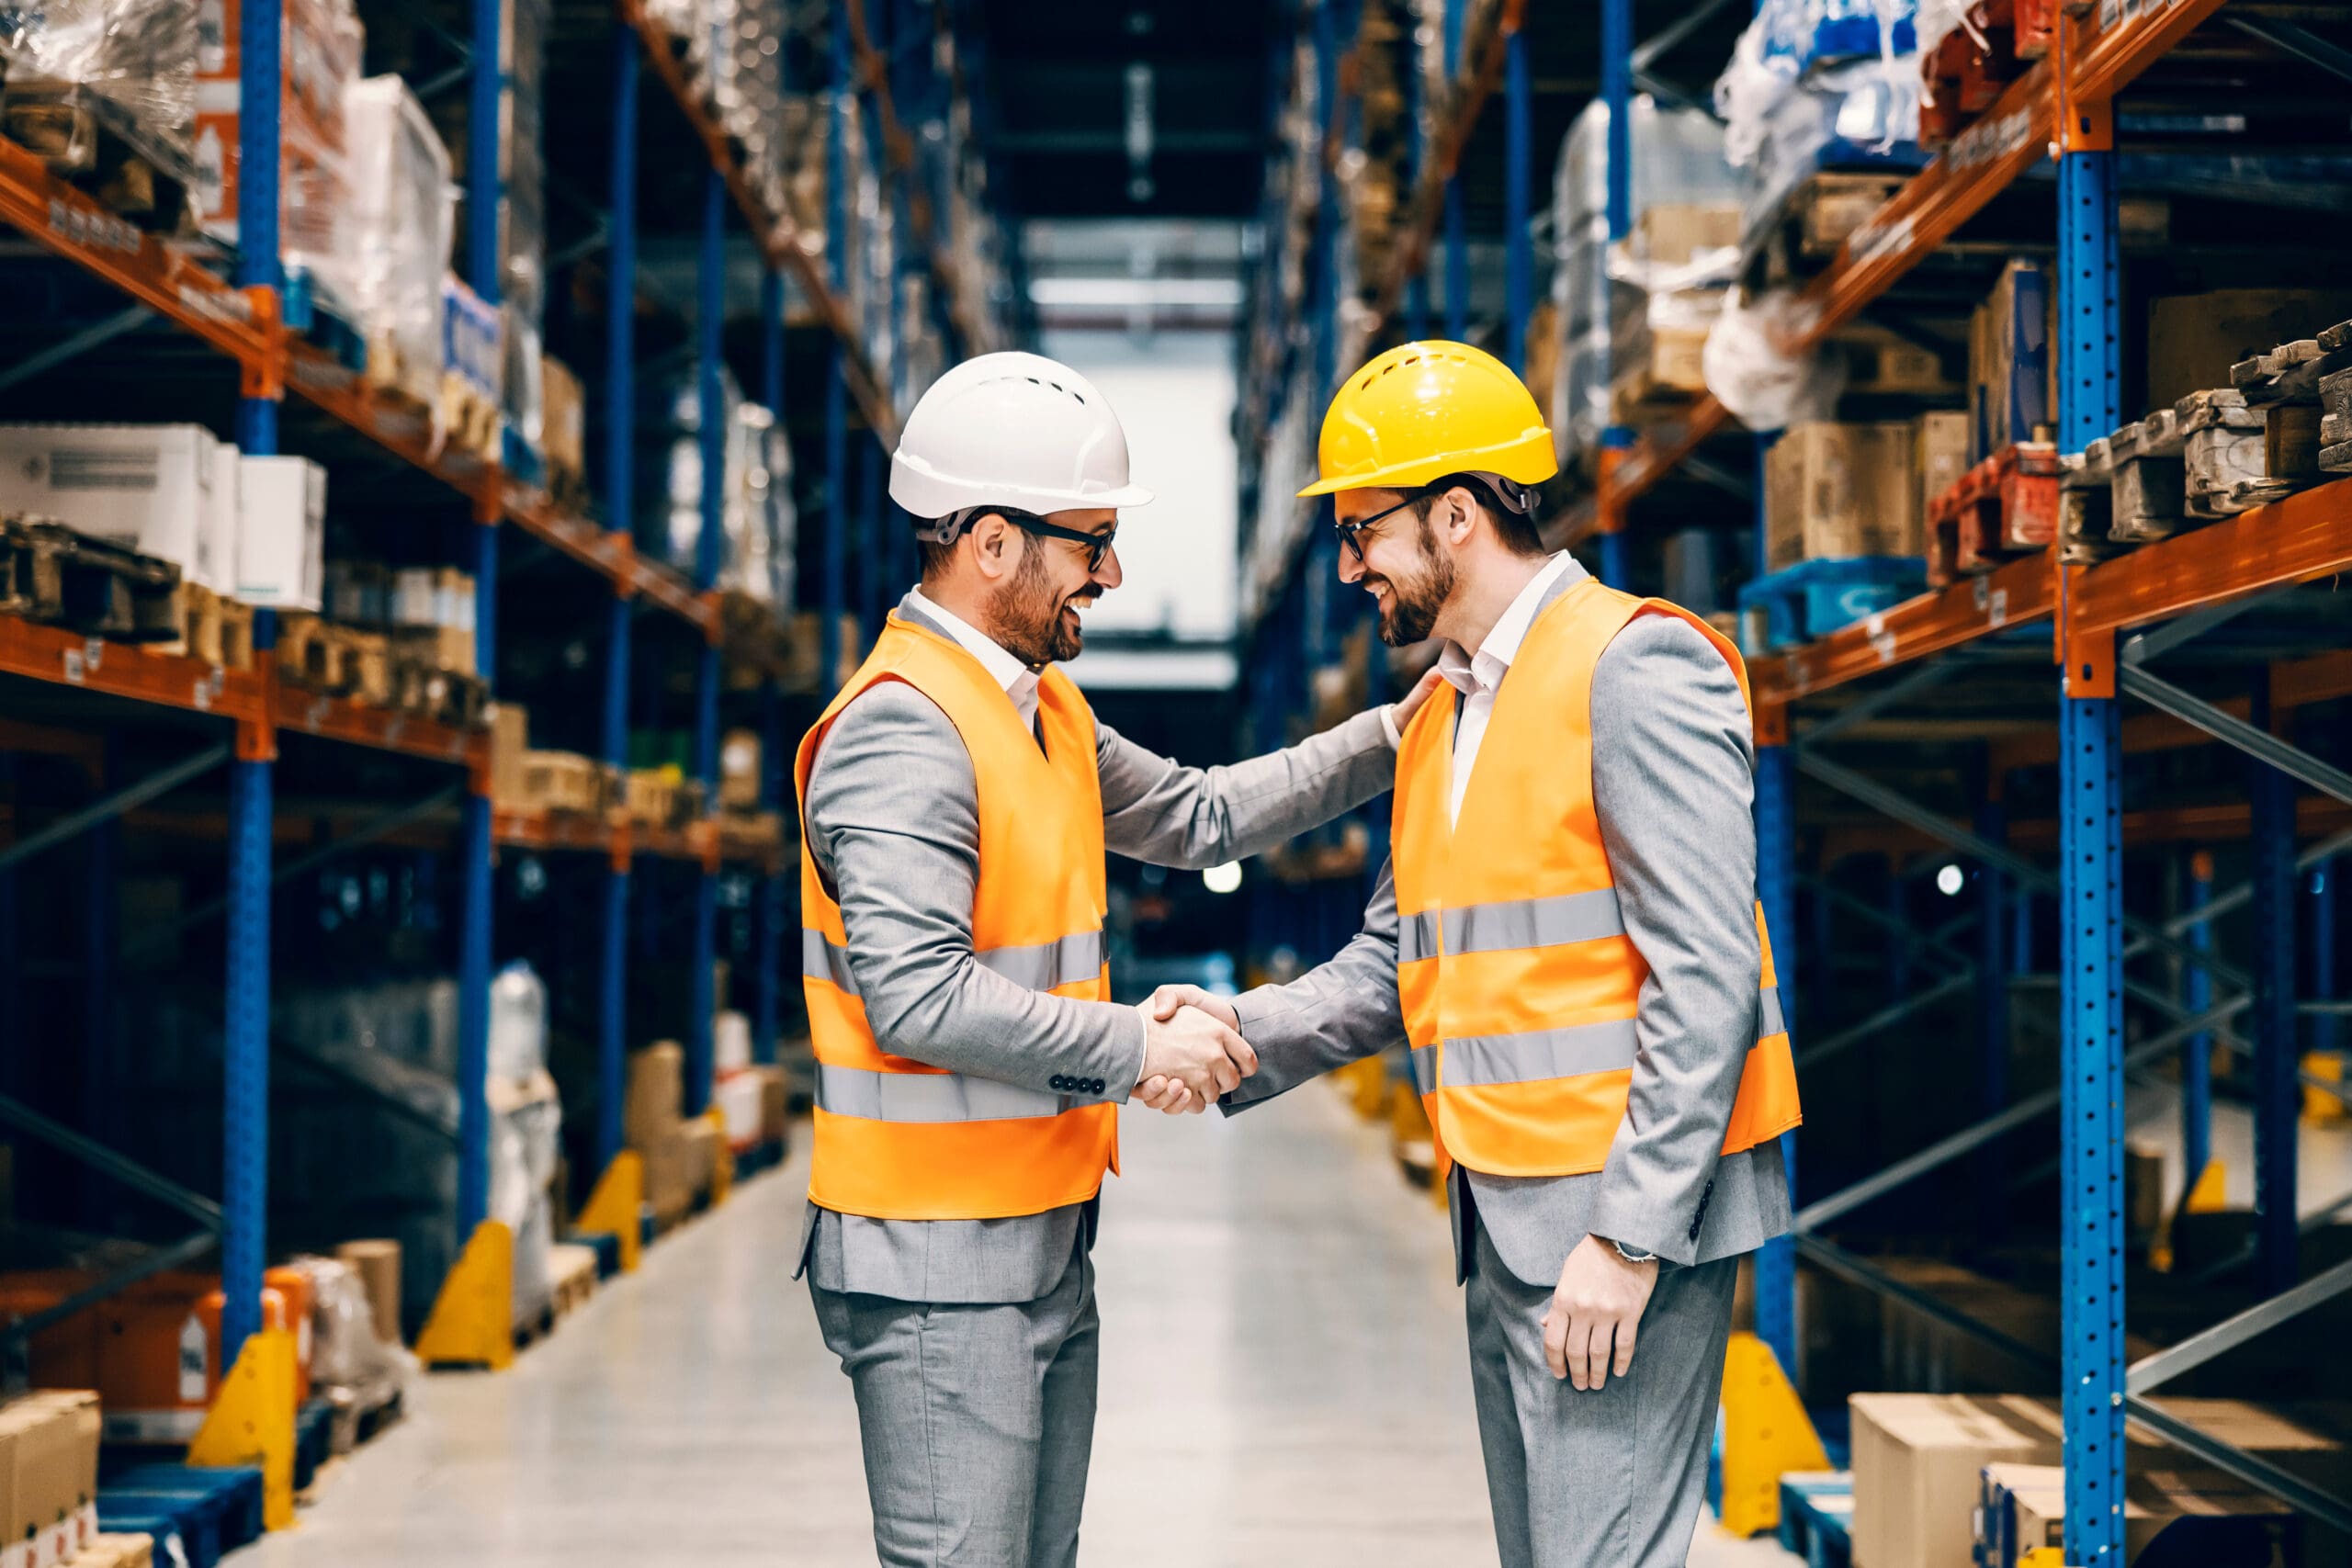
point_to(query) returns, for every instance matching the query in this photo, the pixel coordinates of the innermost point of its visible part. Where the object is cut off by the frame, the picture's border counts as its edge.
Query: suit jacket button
(1058, 1082)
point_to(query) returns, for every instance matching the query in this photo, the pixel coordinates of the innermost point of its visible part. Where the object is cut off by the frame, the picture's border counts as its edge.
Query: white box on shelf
(145, 486)
(731, 1036)
(224, 522)
(280, 552)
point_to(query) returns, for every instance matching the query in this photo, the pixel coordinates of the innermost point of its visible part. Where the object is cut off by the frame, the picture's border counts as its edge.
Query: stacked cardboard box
(2201, 1516)
(320, 45)
(48, 1475)
(680, 1155)
(2012, 373)
(378, 1264)
(1834, 492)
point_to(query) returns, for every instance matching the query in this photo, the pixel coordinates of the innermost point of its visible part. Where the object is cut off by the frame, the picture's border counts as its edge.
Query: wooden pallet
(2005, 506)
(562, 781)
(362, 1411)
(52, 574)
(446, 696)
(216, 630)
(470, 417)
(571, 1271)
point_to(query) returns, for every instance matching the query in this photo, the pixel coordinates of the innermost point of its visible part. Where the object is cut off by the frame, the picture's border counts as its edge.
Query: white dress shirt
(1020, 681)
(1477, 676)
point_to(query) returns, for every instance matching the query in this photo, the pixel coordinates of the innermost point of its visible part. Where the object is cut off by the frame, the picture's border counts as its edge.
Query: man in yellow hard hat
(1569, 939)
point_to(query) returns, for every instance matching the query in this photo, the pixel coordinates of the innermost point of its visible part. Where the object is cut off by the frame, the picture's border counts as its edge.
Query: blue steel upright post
(620, 485)
(835, 596)
(2277, 1094)
(767, 1002)
(2090, 854)
(710, 542)
(1776, 889)
(244, 1133)
(1616, 93)
(1457, 222)
(1519, 243)
(2197, 1051)
(485, 195)
(1416, 158)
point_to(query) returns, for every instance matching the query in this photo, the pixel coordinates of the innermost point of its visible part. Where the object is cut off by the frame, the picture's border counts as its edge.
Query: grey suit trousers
(978, 1420)
(1611, 1478)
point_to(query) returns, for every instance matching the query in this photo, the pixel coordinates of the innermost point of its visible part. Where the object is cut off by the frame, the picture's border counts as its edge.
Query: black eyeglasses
(1348, 531)
(1097, 544)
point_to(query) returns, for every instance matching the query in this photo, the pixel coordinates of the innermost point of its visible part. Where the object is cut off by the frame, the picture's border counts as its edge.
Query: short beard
(1026, 616)
(1413, 605)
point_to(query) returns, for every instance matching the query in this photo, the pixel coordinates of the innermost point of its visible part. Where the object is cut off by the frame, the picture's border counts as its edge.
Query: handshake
(1193, 1050)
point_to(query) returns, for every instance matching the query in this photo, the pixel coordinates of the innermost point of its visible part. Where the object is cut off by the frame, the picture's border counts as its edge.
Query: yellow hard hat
(1426, 410)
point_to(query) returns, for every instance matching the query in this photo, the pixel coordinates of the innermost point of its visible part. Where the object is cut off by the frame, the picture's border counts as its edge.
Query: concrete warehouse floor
(1284, 1383)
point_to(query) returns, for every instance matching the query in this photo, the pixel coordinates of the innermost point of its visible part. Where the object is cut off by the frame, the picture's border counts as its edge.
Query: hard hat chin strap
(1507, 493)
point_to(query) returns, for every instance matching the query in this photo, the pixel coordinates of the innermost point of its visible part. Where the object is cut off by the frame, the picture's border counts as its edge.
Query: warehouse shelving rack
(242, 321)
(2105, 623)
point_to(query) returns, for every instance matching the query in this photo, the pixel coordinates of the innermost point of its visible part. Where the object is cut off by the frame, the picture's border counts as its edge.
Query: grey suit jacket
(893, 827)
(1673, 785)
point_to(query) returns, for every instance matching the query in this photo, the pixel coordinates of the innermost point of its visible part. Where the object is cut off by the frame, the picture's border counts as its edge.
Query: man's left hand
(1595, 1313)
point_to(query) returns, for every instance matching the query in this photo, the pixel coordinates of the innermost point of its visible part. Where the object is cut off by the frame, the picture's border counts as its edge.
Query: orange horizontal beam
(2316, 817)
(2293, 684)
(2303, 536)
(2019, 594)
(1653, 457)
(381, 730)
(401, 428)
(125, 669)
(60, 218)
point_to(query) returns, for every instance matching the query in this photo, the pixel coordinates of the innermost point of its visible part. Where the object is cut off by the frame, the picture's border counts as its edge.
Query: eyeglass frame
(1097, 544)
(1348, 531)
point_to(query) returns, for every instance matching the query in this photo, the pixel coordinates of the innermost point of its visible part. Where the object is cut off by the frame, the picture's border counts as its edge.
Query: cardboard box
(510, 741)
(149, 488)
(739, 770)
(1938, 454)
(2012, 387)
(657, 1078)
(1916, 1461)
(57, 1474)
(670, 1186)
(281, 550)
(2202, 1515)
(737, 1096)
(775, 1103)
(2193, 339)
(698, 1140)
(1672, 232)
(1836, 491)
(378, 1262)
(563, 418)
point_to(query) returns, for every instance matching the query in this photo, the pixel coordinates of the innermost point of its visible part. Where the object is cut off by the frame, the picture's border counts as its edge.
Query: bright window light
(1226, 878)
(1950, 881)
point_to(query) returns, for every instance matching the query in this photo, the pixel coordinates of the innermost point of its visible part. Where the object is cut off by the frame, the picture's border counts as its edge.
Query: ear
(1462, 518)
(996, 546)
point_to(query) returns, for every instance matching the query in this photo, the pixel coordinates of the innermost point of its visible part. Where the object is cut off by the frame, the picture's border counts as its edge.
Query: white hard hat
(1015, 430)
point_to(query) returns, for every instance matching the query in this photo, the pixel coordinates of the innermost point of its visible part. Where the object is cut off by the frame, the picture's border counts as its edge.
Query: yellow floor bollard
(617, 1205)
(252, 1423)
(1766, 1434)
(473, 1322)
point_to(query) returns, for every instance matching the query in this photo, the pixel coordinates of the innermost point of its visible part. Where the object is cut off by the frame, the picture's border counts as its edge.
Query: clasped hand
(1193, 1050)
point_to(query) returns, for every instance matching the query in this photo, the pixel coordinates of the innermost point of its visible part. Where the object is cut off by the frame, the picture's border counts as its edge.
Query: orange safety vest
(899, 1139)
(1517, 981)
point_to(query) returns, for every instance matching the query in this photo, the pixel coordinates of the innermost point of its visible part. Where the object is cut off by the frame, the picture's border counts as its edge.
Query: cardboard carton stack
(2201, 1516)
(680, 1155)
(743, 772)
(1835, 492)
(49, 1474)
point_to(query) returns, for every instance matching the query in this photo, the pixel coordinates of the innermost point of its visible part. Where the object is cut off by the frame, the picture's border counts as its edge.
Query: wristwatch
(1632, 1254)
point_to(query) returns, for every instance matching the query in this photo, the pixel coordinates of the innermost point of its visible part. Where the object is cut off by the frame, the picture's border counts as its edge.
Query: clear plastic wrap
(345, 1349)
(320, 45)
(518, 1023)
(73, 66)
(521, 142)
(525, 1139)
(1764, 388)
(762, 520)
(1782, 109)
(398, 234)
(1629, 309)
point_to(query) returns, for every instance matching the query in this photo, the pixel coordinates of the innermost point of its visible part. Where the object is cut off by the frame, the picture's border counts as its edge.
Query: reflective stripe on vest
(1519, 922)
(1045, 967)
(935, 1097)
(1604, 1047)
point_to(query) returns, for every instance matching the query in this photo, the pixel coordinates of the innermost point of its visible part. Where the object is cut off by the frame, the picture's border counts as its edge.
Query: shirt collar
(1469, 674)
(1017, 679)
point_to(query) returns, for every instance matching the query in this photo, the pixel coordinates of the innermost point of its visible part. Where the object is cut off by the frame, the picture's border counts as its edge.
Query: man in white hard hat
(957, 798)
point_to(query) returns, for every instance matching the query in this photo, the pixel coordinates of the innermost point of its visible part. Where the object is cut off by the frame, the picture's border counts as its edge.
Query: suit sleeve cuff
(1388, 726)
(1644, 1228)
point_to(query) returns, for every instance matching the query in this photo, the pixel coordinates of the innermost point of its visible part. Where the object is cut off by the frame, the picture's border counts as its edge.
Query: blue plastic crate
(1813, 598)
(210, 1511)
(1816, 1517)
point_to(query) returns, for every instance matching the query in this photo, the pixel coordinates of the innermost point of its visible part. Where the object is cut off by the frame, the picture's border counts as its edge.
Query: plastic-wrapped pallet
(77, 70)
(1807, 75)
(1635, 316)
(397, 241)
(761, 522)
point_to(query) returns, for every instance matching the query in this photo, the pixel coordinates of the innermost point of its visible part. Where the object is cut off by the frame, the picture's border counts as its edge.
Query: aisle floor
(1283, 1383)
